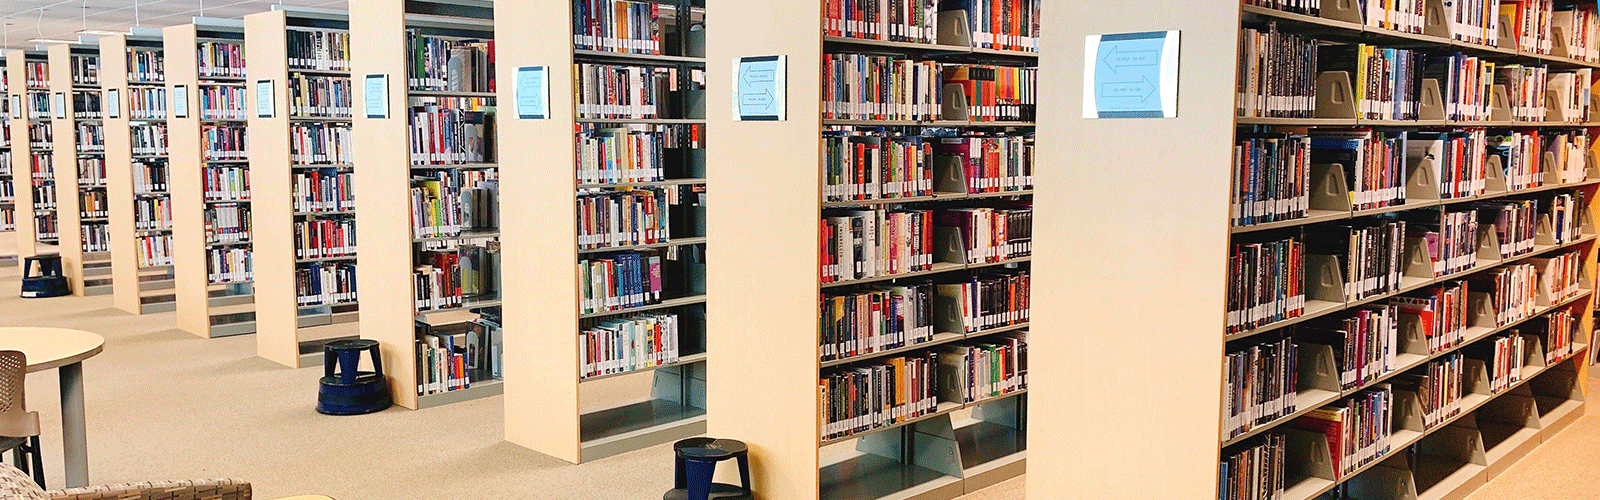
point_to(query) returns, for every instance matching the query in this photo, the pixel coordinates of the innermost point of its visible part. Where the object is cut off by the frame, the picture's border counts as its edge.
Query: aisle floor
(164, 404)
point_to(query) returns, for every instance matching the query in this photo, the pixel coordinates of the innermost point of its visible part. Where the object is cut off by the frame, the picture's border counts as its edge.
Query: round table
(63, 350)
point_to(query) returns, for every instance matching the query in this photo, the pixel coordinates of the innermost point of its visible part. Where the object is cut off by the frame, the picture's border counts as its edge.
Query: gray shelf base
(627, 428)
(478, 390)
(95, 290)
(873, 477)
(232, 329)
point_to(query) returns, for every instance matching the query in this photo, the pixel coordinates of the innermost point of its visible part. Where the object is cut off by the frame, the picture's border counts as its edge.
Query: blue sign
(762, 83)
(377, 96)
(1132, 75)
(533, 93)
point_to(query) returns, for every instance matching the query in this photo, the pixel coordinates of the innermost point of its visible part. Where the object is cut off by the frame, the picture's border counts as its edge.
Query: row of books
(1271, 178)
(451, 131)
(1510, 291)
(220, 59)
(629, 343)
(886, 392)
(1357, 428)
(608, 219)
(883, 87)
(626, 26)
(36, 74)
(453, 357)
(446, 202)
(1560, 276)
(8, 192)
(450, 64)
(991, 234)
(1259, 385)
(8, 219)
(318, 49)
(41, 135)
(1365, 342)
(321, 238)
(93, 204)
(149, 139)
(147, 103)
(1265, 283)
(95, 238)
(38, 103)
(321, 143)
(1256, 472)
(631, 152)
(91, 137)
(994, 24)
(46, 228)
(1439, 385)
(621, 91)
(1561, 332)
(85, 70)
(92, 171)
(224, 142)
(862, 244)
(622, 280)
(1371, 256)
(989, 300)
(1531, 23)
(876, 319)
(1506, 354)
(446, 278)
(221, 102)
(1452, 245)
(323, 190)
(146, 65)
(227, 223)
(43, 166)
(862, 163)
(152, 214)
(44, 196)
(325, 283)
(228, 265)
(226, 183)
(971, 371)
(320, 96)
(1440, 313)
(150, 176)
(87, 105)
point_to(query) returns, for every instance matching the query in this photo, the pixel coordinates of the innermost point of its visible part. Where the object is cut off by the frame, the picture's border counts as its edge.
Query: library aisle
(164, 404)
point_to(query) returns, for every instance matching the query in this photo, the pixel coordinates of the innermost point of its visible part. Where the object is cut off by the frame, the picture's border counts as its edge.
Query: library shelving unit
(8, 198)
(32, 158)
(135, 96)
(79, 134)
(301, 169)
(773, 187)
(570, 407)
(428, 288)
(1465, 398)
(208, 177)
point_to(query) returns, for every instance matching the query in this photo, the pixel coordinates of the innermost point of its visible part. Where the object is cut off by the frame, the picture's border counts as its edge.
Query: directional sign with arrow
(761, 83)
(1131, 75)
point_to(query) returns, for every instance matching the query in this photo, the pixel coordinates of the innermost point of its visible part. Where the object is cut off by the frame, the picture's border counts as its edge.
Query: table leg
(74, 431)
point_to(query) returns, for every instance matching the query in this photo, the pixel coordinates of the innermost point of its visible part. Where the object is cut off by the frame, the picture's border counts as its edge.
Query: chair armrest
(201, 489)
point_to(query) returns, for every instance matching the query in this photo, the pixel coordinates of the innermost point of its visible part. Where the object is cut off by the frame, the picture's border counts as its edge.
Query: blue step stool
(695, 462)
(49, 282)
(352, 392)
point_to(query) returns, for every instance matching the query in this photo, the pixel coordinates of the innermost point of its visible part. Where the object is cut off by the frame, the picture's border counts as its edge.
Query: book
(1254, 472)
(629, 343)
(325, 283)
(1265, 283)
(324, 50)
(321, 144)
(452, 64)
(884, 392)
(146, 65)
(1260, 385)
(876, 319)
(1271, 178)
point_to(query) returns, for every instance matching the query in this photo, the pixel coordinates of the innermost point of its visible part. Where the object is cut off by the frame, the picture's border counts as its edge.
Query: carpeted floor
(163, 404)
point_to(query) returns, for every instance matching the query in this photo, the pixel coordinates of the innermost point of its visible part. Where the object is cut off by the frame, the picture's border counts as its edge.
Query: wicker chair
(15, 485)
(19, 428)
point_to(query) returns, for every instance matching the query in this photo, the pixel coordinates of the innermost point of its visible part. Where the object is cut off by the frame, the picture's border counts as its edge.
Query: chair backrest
(15, 419)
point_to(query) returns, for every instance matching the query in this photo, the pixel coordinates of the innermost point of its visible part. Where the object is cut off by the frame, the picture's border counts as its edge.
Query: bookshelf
(1487, 407)
(310, 101)
(78, 129)
(767, 282)
(408, 302)
(208, 177)
(31, 96)
(8, 210)
(136, 172)
(562, 406)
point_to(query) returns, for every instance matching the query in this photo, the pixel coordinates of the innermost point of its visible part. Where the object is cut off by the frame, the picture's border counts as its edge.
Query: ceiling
(63, 19)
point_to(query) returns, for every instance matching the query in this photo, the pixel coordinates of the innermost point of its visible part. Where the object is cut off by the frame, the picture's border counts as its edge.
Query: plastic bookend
(1329, 190)
(948, 175)
(1408, 413)
(1585, 224)
(682, 384)
(1342, 10)
(953, 29)
(1590, 168)
(1533, 350)
(955, 104)
(1558, 42)
(1383, 481)
(1419, 263)
(1594, 103)
(1515, 407)
(1554, 108)
(1489, 246)
(1316, 368)
(1431, 106)
(1412, 339)
(694, 104)
(1435, 21)
(1552, 173)
(1421, 183)
(1480, 310)
(1335, 99)
(948, 245)
(697, 43)
(1475, 377)
(1507, 39)
(947, 304)
(1307, 455)
(1560, 381)
(1543, 232)
(1324, 279)
(934, 446)
(1494, 180)
(1499, 104)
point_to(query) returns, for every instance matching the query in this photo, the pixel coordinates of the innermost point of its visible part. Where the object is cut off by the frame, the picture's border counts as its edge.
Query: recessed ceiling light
(98, 32)
(51, 40)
